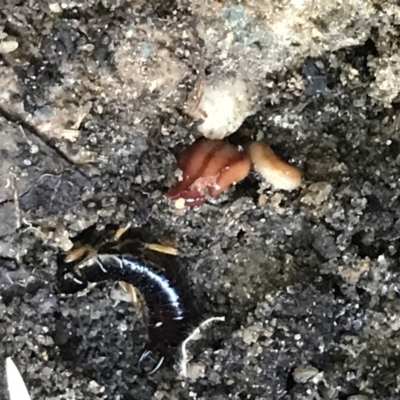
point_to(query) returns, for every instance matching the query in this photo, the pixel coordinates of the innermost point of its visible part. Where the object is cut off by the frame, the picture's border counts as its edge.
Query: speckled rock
(271, 36)
(23, 160)
(224, 106)
(386, 86)
(9, 92)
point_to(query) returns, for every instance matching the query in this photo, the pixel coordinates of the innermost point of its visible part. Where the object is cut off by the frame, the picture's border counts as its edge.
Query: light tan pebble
(196, 370)
(317, 193)
(275, 201)
(180, 204)
(89, 47)
(8, 46)
(304, 373)
(55, 8)
(223, 106)
(164, 131)
(277, 172)
(352, 274)
(93, 385)
(262, 200)
(251, 334)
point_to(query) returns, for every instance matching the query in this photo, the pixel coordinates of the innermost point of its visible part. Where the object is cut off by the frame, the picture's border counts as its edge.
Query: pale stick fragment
(16, 385)
(195, 335)
(121, 231)
(161, 248)
(16, 201)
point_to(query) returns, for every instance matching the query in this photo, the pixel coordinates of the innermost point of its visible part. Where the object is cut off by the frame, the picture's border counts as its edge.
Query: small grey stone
(304, 373)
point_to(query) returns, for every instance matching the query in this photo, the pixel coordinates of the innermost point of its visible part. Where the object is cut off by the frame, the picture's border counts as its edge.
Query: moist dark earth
(307, 281)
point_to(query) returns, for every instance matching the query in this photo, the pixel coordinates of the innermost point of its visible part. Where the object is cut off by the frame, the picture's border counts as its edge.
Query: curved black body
(166, 312)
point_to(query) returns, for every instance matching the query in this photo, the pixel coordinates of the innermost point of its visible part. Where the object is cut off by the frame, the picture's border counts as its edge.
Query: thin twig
(16, 201)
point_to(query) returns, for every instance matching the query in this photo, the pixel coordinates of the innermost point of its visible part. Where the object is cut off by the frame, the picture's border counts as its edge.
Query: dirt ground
(91, 119)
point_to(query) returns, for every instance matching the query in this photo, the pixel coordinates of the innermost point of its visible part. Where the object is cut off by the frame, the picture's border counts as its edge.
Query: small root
(16, 201)
(120, 231)
(195, 335)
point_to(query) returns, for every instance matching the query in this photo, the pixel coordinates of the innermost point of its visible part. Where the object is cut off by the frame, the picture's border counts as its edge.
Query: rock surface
(93, 110)
(224, 106)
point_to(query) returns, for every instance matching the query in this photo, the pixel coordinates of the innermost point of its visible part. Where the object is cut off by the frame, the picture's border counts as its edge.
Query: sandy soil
(91, 118)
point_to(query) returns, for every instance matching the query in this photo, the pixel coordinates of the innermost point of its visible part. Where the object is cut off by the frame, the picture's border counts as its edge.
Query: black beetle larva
(121, 261)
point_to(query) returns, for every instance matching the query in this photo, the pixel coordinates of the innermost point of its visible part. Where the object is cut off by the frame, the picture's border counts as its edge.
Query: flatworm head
(208, 168)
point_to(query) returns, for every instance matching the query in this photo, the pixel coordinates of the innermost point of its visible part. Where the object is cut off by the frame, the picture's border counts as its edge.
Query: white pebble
(55, 8)
(34, 149)
(224, 107)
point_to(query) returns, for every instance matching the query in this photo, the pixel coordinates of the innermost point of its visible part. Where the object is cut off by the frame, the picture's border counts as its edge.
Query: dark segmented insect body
(165, 309)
